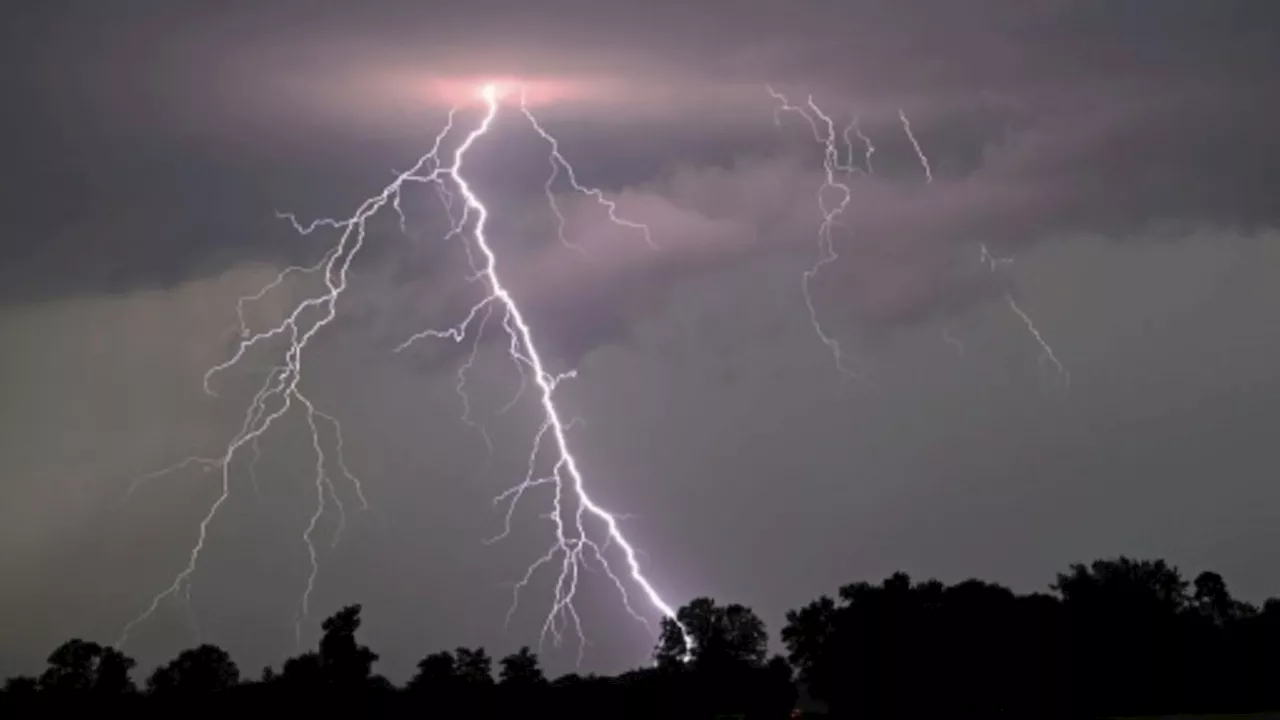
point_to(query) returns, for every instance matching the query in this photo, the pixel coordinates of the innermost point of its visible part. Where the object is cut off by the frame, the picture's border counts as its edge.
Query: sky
(1121, 152)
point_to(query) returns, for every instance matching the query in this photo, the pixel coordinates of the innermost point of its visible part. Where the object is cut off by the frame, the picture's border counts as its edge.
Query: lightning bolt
(558, 164)
(835, 176)
(573, 546)
(868, 148)
(991, 261)
(928, 180)
(1046, 352)
(924, 161)
(824, 134)
(281, 387)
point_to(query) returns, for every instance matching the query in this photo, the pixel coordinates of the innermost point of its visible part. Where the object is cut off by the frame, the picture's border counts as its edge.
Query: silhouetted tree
(473, 667)
(1123, 617)
(1117, 637)
(380, 684)
(522, 688)
(813, 642)
(305, 670)
(776, 693)
(21, 687)
(337, 676)
(1121, 637)
(870, 653)
(437, 672)
(1214, 603)
(724, 672)
(1257, 635)
(721, 634)
(78, 666)
(346, 664)
(521, 670)
(205, 669)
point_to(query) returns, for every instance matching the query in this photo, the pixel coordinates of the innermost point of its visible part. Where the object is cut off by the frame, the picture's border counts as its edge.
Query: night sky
(1124, 153)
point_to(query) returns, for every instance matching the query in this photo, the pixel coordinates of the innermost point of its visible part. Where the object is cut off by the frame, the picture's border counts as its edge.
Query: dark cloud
(184, 126)
(1120, 151)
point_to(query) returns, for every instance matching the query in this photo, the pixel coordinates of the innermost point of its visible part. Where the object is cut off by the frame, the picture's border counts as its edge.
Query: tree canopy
(1115, 637)
(720, 634)
(207, 668)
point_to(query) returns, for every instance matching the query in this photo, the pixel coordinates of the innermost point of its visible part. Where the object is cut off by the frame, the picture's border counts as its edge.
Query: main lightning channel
(571, 545)
(281, 391)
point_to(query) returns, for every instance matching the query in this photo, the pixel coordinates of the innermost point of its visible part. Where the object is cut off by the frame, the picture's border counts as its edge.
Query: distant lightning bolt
(824, 133)
(1046, 352)
(868, 148)
(924, 161)
(928, 179)
(573, 546)
(990, 260)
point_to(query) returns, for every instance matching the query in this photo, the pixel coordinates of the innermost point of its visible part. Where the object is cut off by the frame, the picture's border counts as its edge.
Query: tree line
(1117, 637)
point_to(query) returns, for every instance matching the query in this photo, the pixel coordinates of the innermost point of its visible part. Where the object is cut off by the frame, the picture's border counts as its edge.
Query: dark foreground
(1115, 639)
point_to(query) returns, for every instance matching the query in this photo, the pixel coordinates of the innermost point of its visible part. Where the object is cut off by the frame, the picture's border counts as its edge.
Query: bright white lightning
(573, 547)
